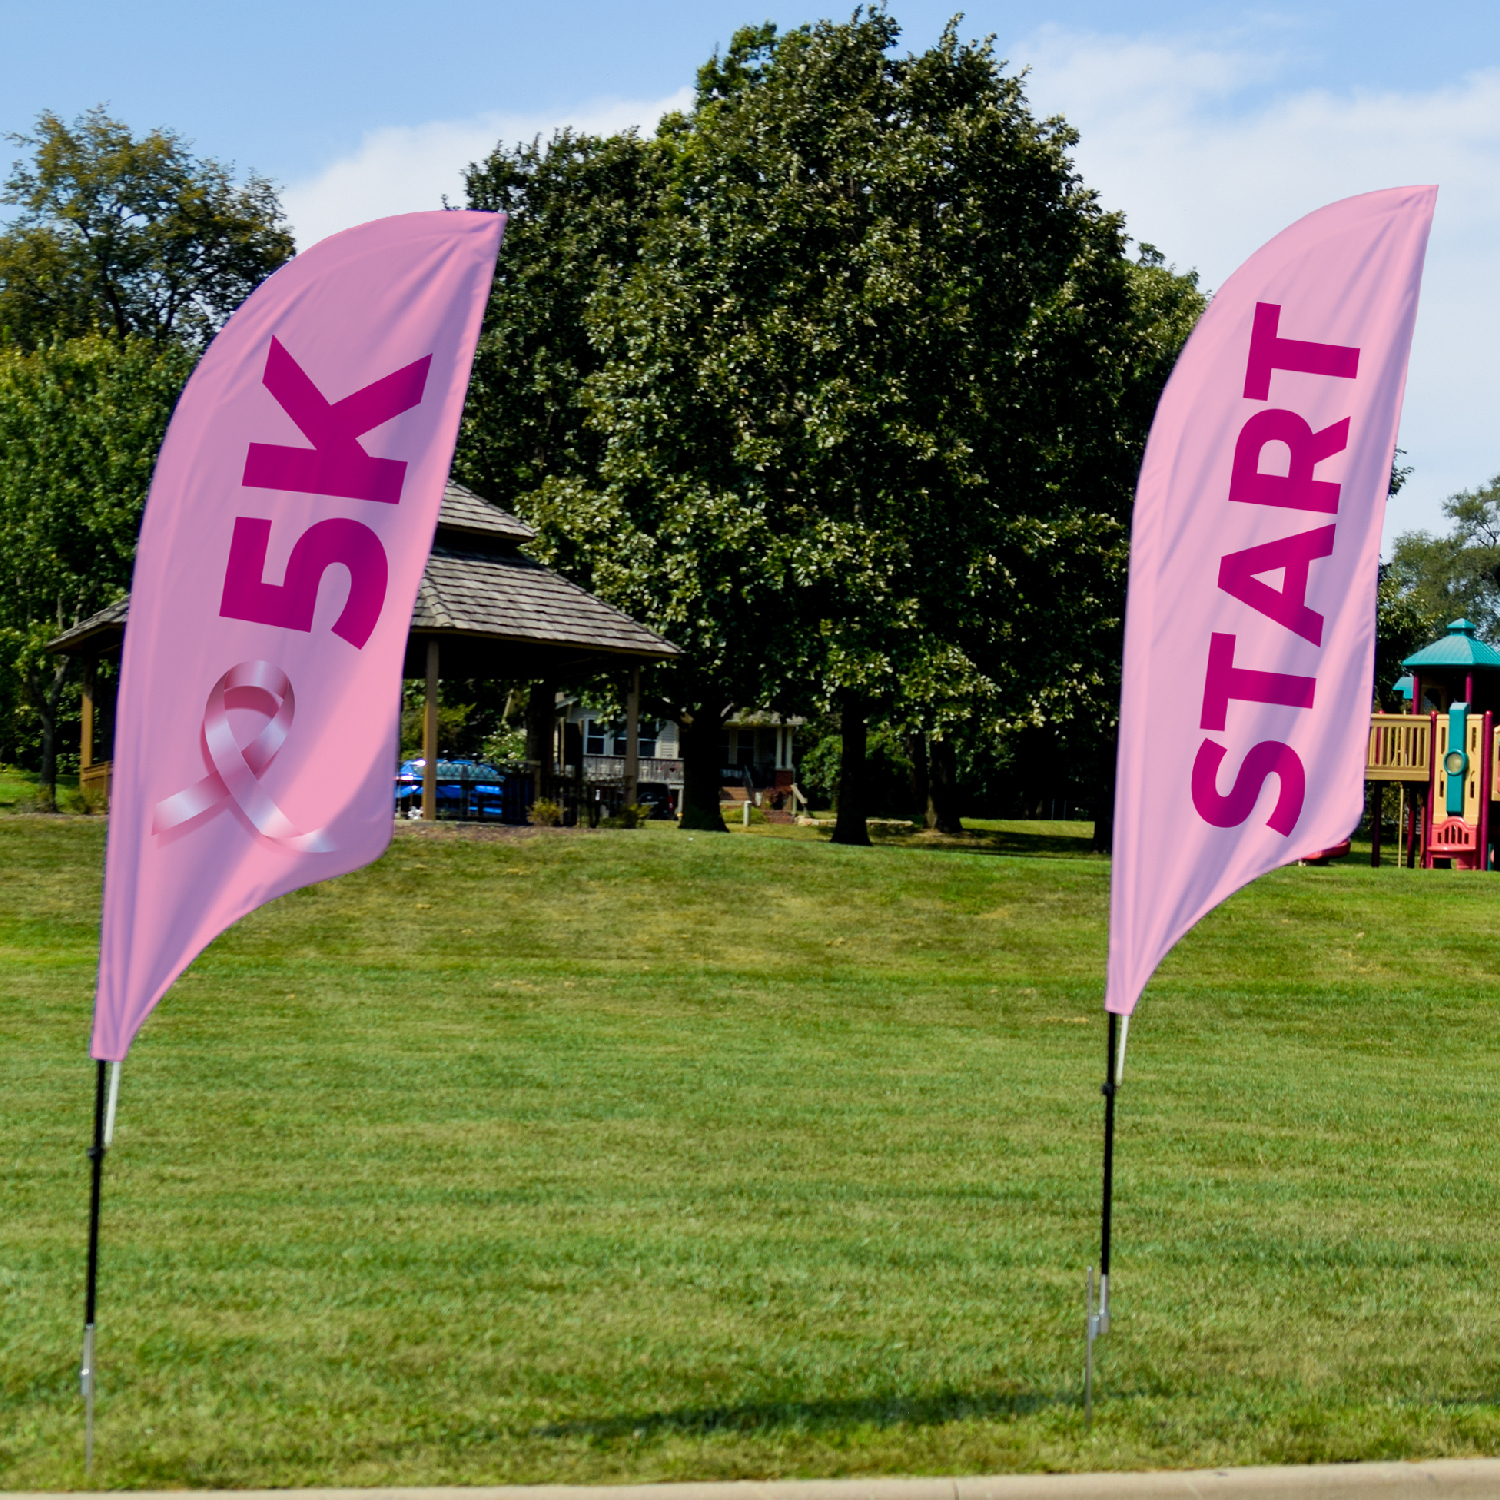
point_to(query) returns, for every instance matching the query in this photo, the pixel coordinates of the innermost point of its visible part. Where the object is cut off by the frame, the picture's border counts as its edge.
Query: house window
(615, 734)
(593, 738)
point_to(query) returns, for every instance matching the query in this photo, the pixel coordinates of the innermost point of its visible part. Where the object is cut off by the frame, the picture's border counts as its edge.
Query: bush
(546, 813)
(505, 749)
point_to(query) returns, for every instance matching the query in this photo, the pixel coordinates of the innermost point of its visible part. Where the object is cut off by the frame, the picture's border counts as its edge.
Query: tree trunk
(1104, 805)
(850, 826)
(945, 787)
(921, 782)
(46, 699)
(698, 733)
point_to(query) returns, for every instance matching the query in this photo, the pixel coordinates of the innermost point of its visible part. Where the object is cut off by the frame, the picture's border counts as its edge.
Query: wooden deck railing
(93, 782)
(605, 770)
(1400, 747)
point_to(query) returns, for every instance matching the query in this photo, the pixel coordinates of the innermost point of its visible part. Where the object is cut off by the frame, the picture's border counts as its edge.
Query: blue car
(465, 789)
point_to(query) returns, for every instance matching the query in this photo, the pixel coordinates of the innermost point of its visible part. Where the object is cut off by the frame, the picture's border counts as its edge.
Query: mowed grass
(634, 1155)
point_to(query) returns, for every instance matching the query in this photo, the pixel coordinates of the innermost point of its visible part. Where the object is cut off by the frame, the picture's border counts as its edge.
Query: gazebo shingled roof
(464, 512)
(108, 627)
(483, 610)
(478, 592)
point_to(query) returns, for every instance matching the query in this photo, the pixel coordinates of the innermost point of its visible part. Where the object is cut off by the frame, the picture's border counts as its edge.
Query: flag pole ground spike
(1098, 1319)
(1088, 1356)
(86, 1365)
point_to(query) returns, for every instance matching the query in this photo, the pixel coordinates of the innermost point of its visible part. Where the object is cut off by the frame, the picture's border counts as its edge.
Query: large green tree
(129, 235)
(80, 423)
(127, 254)
(1056, 611)
(1457, 573)
(577, 206)
(873, 397)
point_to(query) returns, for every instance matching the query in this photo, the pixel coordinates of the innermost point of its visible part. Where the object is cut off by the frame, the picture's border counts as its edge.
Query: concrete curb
(1469, 1478)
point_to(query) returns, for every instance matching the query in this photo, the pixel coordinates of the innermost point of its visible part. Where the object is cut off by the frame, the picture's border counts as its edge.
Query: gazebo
(484, 610)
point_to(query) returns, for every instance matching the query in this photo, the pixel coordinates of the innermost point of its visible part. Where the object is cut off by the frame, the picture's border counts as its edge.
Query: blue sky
(1210, 126)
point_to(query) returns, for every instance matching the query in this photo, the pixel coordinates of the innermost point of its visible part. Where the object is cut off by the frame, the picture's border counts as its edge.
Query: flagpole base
(86, 1382)
(1088, 1353)
(1097, 1327)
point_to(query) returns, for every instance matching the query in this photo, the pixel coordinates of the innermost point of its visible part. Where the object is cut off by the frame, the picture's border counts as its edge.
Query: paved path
(1469, 1478)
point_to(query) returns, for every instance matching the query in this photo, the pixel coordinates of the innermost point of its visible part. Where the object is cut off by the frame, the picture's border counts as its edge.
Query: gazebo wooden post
(430, 735)
(86, 730)
(580, 786)
(633, 737)
(541, 734)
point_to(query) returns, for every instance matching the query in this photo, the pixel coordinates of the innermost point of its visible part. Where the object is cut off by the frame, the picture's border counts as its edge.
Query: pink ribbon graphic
(236, 772)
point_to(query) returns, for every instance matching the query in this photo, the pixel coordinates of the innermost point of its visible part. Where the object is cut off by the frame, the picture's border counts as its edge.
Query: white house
(758, 752)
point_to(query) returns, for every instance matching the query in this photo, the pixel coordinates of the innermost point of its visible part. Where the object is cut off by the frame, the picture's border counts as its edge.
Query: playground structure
(1444, 754)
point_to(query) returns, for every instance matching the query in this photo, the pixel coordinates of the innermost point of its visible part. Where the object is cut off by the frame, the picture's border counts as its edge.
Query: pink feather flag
(288, 524)
(1250, 626)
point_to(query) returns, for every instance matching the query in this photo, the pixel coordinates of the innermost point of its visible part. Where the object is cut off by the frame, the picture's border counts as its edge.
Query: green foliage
(818, 768)
(80, 424)
(505, 748)
(631, 815)
(1400, 472)
(866, 376)
(131, 237)
(472, 721)
(126, 256)
(453, 720)
(888, 789)
(546, 813)
(812, 368)
(1404, 623)
(1444, 577)
(577, 208)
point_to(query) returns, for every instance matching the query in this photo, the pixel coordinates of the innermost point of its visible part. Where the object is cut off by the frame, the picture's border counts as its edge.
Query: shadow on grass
(1004, 841)
(814, 1416)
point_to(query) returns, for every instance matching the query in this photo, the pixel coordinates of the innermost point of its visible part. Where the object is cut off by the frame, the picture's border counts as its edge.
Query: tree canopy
(1459, 573)
(127, 255)
(859, 395)
(578, 208)
(129, 236)
(80, 424)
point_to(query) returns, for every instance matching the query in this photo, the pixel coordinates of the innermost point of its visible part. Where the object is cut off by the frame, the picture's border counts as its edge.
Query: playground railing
(1400, 748)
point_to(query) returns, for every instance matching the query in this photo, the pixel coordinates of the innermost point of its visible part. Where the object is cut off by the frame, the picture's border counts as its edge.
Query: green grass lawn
(635, 1155)
(18, 792)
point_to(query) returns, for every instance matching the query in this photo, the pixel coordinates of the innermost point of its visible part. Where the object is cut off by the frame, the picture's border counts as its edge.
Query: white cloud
(1168, 136)
(400, 169)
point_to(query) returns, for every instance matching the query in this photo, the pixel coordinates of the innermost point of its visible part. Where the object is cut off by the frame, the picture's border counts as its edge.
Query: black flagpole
(1098, 1323)
(86, 1368)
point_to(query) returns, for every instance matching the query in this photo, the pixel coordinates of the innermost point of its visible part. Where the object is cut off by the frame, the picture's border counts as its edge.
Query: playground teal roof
(1461, 647)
